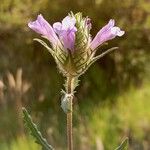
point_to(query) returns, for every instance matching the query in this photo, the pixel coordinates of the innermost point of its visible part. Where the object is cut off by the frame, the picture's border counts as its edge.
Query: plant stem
(69, 90)
(69, 131)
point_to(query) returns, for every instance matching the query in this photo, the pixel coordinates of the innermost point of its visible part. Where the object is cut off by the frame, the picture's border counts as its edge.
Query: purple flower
(66, 31)
(42, 27)
(63, 33)
(108, 32)
(64, 38)
(88, 23)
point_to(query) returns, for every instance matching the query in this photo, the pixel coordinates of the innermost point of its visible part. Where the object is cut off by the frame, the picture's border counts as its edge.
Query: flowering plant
(71, 43)
(74, 51)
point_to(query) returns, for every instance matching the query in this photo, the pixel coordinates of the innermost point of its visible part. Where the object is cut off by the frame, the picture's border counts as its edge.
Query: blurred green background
(113, 99)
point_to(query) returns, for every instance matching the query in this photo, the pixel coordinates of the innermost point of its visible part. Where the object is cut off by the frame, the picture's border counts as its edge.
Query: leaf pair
(42, 141)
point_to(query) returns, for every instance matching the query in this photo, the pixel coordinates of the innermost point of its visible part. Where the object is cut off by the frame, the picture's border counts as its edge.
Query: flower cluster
(71, 42)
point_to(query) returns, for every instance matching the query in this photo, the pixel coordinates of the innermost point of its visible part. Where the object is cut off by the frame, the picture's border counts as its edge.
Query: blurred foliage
(20, 143)
(104, 108)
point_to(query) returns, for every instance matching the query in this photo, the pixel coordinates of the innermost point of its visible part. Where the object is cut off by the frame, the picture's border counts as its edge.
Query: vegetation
(114, 94)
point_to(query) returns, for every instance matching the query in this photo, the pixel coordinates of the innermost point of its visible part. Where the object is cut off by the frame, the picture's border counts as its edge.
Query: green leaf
(34, 131)
(124, 145)
(45, 45)
(104, 53)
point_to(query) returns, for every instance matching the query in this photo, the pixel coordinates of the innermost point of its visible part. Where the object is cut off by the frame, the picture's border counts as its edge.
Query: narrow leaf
(45, 45)
(124, 145)
(89, 63)
(34, 131)
(104, 53)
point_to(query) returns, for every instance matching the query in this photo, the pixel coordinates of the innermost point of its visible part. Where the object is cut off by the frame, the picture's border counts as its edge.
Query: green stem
(69, 90)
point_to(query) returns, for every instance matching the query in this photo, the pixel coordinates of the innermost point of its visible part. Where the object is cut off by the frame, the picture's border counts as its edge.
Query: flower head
(72, 46)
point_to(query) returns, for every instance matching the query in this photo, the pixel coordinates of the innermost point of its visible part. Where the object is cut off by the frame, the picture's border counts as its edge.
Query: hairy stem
(69, 131)
(69, 90)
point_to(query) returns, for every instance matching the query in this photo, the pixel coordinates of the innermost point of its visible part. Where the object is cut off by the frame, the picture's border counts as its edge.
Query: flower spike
(72, 46)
